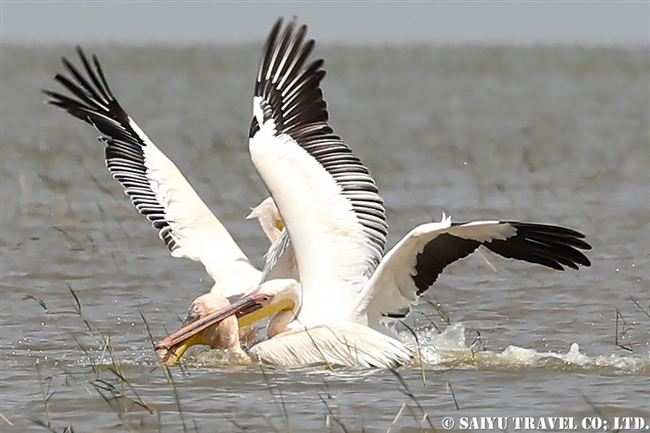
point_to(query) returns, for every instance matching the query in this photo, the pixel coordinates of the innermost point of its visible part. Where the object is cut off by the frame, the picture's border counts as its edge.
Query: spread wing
(155, 186)
(415, 263)
(328, 200)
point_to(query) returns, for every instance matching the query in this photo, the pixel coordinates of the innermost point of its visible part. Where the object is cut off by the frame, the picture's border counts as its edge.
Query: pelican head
(269, 218)
(281, 297)
(221, 335)
(213, 320)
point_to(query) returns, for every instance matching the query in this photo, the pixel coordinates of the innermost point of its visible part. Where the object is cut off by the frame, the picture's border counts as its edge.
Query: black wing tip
(279, 23)
(281, 34)
(51, 94)
(79, 80)
(549, 245)
(291, 23)
(558, 246)
(289, 82)
(88, 97)
(573, 237)
(544, 227)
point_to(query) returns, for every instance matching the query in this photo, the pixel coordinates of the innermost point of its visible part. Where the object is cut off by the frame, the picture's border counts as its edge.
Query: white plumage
(326, 275)
(335, 218)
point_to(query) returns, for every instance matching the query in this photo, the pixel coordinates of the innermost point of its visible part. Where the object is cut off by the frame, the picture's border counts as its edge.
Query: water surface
(547, 134)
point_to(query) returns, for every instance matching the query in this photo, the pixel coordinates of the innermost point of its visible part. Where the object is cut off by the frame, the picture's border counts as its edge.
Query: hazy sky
(584, 22)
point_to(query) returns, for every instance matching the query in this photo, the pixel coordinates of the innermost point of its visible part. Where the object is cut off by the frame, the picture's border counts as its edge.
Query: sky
(614, 23)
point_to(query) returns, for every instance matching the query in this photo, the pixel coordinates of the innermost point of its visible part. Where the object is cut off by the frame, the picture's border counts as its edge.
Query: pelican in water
(335, 218)
(160, 192)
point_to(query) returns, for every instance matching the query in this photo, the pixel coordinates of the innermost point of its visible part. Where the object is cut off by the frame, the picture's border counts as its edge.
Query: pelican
(160, 192)
(225, 336)
(335, 218)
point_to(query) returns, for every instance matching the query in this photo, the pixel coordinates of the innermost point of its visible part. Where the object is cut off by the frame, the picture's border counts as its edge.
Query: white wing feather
(327, 240)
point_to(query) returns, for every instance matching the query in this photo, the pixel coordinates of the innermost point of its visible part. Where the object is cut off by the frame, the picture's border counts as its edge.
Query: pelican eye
(196, 309)
(195, 313)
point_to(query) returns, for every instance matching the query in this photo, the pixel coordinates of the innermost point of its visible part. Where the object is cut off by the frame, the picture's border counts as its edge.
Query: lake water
(549, 134)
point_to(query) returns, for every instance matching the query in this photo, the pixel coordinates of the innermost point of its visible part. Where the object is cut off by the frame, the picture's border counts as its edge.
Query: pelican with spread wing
(335, 218)
(161, 193)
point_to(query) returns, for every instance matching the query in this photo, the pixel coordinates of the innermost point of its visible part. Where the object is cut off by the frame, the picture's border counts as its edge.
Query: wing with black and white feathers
(329, 202)
(155, 186)
(415, 263)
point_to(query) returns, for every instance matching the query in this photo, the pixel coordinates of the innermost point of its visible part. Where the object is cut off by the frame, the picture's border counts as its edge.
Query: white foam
(449, 350)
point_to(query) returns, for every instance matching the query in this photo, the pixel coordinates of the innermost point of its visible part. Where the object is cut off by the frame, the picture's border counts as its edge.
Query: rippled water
(555, 135)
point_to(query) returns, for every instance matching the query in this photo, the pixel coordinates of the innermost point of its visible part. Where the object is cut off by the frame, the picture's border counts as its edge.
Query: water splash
(448, 350)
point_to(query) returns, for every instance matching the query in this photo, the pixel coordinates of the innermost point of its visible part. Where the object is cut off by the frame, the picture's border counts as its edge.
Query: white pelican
(335, 218)
(160, 192)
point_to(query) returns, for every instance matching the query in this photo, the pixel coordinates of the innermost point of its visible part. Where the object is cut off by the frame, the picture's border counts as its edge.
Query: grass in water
(107, 378)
